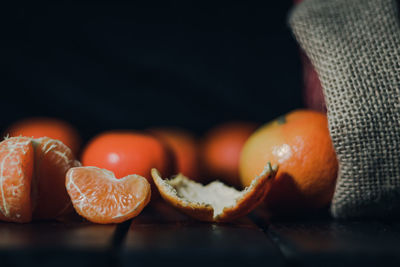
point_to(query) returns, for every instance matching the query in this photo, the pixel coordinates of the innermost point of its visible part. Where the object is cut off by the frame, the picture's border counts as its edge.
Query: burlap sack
(355, 47)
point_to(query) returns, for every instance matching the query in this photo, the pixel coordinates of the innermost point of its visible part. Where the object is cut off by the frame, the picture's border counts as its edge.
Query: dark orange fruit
(184, 147)
(47, 127)
(125, 153)
(221, 150)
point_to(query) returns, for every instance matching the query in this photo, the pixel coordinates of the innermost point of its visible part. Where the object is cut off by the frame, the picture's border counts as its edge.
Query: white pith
(10, 148)
(48, 146)
(215, 194)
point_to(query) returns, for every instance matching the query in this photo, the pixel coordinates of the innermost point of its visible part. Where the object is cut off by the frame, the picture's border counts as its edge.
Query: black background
(132, 65)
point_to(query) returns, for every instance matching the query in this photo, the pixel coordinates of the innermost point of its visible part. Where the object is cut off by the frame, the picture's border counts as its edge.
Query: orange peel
(214, 202)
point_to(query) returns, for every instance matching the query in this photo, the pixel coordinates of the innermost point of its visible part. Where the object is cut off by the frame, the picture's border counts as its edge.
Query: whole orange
(221, 150)
(300, 144)
(47, 127)
(185, 148)
(125, 153)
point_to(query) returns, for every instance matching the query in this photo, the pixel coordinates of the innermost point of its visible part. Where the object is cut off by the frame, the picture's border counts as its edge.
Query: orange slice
(215, 202)
(16, 171)
(52, 161)
(101, 198)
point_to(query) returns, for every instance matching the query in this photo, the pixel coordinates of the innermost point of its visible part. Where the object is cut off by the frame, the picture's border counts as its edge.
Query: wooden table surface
(162, 236)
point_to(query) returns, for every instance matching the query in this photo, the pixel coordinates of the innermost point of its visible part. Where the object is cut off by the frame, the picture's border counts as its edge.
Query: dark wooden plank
(325, 242)
(164, 236)
(56, 244)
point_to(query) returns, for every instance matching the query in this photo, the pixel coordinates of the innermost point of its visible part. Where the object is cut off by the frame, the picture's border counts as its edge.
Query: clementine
(221, 150)
(125, 153)
(300, 143)
(101, 198)
(49, 127)
(185, 149)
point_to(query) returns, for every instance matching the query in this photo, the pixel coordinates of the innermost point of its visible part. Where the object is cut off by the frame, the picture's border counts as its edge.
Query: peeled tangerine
(32, 177)
(215, 202)
(100, 197)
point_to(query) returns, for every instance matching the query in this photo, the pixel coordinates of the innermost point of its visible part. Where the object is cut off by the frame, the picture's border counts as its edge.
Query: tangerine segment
(100, 197)
(52, 161)
(215, 202)
(16, 170)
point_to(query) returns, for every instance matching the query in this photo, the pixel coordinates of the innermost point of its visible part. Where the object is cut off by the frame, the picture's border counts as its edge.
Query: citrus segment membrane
(32, 178)
(214, 201)
(100, 197)
(16, 171)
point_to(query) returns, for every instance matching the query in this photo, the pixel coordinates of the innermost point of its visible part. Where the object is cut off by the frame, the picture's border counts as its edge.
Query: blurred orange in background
(47, 127)
(221, 150)
(127, 152)
(185, 148)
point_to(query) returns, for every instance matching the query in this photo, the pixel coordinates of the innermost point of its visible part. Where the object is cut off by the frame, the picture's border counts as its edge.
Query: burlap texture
(355, 47)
